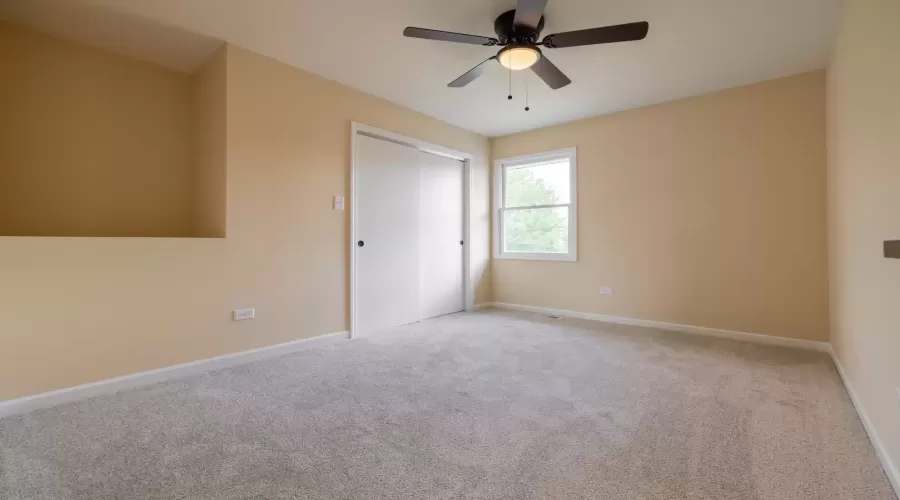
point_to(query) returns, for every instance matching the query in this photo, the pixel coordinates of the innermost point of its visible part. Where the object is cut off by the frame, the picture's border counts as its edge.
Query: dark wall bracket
(892, 249)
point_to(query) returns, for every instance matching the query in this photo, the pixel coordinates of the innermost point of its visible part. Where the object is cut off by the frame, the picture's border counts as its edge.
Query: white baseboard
(698, 330)
(880, 449)
(113, 385)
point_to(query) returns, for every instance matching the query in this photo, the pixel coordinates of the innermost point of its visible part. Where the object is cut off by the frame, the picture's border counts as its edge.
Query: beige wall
(91, 143)
(864, 210)
(77, 310)
(208, 112)
(708, 211)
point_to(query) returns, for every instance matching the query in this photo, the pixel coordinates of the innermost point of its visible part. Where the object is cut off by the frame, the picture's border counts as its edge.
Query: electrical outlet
(606, 291)
(242, 314)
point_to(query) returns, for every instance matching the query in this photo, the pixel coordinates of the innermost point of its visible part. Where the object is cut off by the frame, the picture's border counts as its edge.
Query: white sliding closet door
(441, 236)
(409, 231)
(387, 226)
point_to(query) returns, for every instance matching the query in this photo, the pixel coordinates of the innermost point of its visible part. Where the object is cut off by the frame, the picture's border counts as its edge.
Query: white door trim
(367, 130)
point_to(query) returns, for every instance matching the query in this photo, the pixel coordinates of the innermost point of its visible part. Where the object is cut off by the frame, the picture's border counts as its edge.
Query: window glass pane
(536, 230)
(542, 184)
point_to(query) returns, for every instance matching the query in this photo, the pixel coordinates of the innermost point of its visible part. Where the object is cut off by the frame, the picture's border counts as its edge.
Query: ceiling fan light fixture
(518, 57)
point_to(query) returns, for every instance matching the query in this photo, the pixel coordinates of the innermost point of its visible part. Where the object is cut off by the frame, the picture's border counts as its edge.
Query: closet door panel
(387, 183)
(441, 231)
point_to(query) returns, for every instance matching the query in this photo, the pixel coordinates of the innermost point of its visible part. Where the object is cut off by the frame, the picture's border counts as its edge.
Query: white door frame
(359, 128)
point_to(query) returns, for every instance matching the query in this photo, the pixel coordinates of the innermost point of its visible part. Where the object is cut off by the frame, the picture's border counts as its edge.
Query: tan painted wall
(208, 112)
(708, 211)
(77, 310)
(91, 143)
(864, 209)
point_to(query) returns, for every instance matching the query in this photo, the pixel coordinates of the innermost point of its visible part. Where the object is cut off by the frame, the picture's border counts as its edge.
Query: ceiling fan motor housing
(509, 34)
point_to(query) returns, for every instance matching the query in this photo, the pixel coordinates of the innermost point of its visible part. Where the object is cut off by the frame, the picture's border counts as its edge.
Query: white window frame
(499, 182)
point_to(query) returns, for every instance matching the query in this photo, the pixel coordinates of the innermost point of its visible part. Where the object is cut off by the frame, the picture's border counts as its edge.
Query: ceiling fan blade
(448, 36)
(608, 34)
(472, 74)
(551, 75)
(529, 12)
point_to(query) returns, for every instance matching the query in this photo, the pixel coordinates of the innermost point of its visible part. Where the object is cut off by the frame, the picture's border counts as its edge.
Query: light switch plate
(338, 202)
(242, 314)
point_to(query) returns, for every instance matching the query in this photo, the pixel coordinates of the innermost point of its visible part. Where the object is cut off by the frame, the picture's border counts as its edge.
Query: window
(536, 215)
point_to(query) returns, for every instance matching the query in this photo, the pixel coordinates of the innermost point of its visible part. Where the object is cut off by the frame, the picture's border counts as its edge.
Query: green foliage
(533, 230)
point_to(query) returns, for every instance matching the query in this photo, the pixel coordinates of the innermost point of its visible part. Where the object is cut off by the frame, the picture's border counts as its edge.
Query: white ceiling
(694, 47)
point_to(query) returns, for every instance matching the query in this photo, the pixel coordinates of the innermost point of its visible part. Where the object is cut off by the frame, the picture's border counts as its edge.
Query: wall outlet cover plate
(242, 314)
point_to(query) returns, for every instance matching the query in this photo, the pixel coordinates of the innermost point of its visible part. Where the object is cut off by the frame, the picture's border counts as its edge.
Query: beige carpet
(474, 405)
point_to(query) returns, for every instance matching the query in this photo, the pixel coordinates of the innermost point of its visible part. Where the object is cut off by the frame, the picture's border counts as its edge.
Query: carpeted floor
(489, 405)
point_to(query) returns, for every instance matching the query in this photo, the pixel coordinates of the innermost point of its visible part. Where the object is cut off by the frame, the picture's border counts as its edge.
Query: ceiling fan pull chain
(510, 84)
(526, 95)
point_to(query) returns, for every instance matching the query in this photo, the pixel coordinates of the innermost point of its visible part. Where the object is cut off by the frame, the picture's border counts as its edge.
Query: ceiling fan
(518, 32)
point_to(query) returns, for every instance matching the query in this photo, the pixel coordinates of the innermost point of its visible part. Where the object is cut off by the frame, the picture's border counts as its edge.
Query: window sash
(505, 242)
(550, 160)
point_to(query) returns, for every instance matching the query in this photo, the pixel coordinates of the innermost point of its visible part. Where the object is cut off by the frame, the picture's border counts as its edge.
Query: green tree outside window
(533, 230)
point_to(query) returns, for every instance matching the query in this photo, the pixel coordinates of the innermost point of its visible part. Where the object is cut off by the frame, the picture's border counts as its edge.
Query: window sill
(557, 257)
